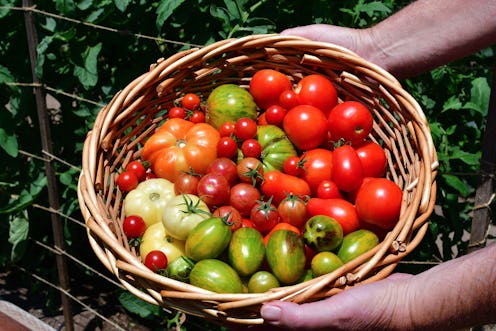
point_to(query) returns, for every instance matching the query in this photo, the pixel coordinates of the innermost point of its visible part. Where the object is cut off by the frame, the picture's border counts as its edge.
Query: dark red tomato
(293, 210)
(318, 166)
(251, 148)
(177, 112)
(230, 215)
(243, 196)
(378, 202)
(226, 167)
(227, 147)
(318, 91)
(156, 260)
(138, 168)
(350, 121)
(186, 183)
(373, 159)
(245, 128)
(346, 170)
(226, 129)
(327, 189)
(275, 114)
(213, 189)
(197, 117)
(278, 185)
(305, 126)
(250, 170)
(133, 226)
(127, 181)
(294, 166)
(288, 99)
(339, 209)
(266, 85)
(191, 101)
(264, 215)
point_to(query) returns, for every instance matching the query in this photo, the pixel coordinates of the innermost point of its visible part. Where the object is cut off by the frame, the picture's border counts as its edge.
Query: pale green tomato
(149, 199)
(182, 213)
(156, 238)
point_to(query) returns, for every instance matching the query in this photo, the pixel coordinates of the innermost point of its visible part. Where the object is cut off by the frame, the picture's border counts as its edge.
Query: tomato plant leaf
(8, 142)
(88, 75)
(479, 96)
(457, 184)
(138, 306)
(18, 233)
(166, 9)
(122, 4)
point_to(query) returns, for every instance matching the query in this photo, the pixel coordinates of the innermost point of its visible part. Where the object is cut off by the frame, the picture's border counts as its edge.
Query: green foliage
(91, 49)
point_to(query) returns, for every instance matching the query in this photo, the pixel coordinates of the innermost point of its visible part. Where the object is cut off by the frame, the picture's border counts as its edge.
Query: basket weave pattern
(135, 112)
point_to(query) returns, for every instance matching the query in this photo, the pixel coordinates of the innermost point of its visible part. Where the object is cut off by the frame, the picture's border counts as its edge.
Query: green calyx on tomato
(228, 103)
(183, 213)
(276, 147)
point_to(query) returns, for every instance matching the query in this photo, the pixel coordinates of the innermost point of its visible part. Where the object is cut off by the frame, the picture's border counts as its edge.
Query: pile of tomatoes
(258, 188)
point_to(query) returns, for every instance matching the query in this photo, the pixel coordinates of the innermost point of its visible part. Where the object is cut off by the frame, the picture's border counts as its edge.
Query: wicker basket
(134, 113)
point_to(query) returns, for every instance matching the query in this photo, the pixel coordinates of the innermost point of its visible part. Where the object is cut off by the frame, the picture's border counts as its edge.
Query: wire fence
(46, 156)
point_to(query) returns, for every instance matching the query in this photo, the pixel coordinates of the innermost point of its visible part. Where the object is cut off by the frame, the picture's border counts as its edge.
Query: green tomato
(157, 238)
(322, 233)
(262, 281)
(208, 239)
(325, 262)
(356, 243)
(149, 199)
(180, 268)
(286, 256)
(216, 276)
(276, 147)
(246, 251)
(182, 213)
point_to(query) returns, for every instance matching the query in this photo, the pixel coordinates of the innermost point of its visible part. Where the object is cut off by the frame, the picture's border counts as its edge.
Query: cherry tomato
(288, 99)
(138, 168)
(339, 209)
(373, 159)
(127, 181)
(275, 114)
(318, 91)
(250, 170)
(245, 128)
(243, 196)
(346, 170)
(227, 147)
(294, 166)
(266, 85)
(156, 260)
(213, 189)
(305, 126)
(327, 189)
(293, 210)
(226, 129)
(177, 112)
(197, 117)
(318, 165)
(186, 183)
(191, 101)
(264, 215)
(230, 215)
(277, 185)
(261, 120)
(251, 148)
(133, 226)
(378, 202)
(350, 121)
(226, 167)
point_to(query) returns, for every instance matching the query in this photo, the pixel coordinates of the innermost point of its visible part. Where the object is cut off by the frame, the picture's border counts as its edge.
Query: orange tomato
(180, 145)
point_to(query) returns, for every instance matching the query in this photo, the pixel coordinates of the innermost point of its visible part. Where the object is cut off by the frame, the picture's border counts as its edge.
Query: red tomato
(264, 215)
(226, 167)
(317, 164)
(133, 226)
(227, 147)
(213, 189)
(156, 260)
(275, 114)
(378, 202)
(186, 183)
(177, 112)
(197, 117)
(318, 91)
(281, 226)
(179, 145)
(339, 209)
(346, 170)
(293, 210)
(305, 126)
(127, 181)
(226, 129)
(327, 189)
(266, 85)
(231, 215)
(250, 170)
(138, 168)
(251, 148)
(373, 159)
(294, 166)
(350, 121)
(190, 101)
(288, 99)
(243, 196)
(246, 223)
(277, 185)
(351, 196)
(262, 120)
(245, 128)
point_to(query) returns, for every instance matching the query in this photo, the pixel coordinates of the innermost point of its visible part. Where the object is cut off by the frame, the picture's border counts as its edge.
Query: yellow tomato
(156, 238)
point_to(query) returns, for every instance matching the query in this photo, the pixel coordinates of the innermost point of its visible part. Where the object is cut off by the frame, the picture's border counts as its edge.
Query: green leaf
(479, 96)
(468, 158)
(452, 103)
(65, 6)
(5, 75)
(457, 184)
(88, 75)
(121, 4)
(8, 142)
(137, 306)
(26, 197)
(166, 9)
(18, 233)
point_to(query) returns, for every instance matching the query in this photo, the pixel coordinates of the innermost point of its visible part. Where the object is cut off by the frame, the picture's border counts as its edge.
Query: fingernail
(270, 313)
